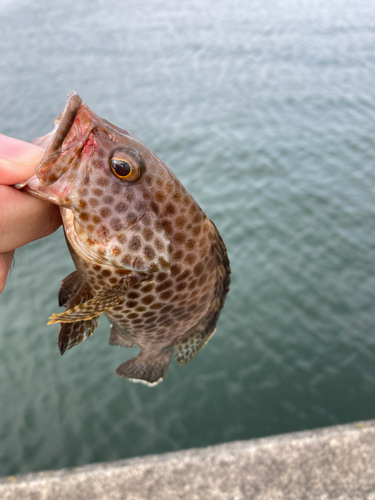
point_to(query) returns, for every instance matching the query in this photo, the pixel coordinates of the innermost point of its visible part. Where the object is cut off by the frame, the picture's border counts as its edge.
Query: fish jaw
(68, 149)
(55, 193)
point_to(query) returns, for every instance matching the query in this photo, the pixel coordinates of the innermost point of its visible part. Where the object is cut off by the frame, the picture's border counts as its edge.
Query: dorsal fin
(189, 344)
(192, 341)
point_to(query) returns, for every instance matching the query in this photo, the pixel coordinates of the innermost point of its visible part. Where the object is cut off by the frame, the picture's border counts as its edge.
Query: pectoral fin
(99, 304)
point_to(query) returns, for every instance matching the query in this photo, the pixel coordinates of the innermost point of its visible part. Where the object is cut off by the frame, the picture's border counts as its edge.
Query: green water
(266, 112)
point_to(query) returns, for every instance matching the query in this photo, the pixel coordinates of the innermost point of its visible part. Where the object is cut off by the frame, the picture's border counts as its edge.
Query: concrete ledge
(333, 463)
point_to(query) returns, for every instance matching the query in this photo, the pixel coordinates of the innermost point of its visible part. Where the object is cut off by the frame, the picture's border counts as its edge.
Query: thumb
(18, 159)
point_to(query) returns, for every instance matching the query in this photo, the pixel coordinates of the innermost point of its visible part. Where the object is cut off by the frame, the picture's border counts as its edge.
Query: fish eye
(125, 167)
(121, 168)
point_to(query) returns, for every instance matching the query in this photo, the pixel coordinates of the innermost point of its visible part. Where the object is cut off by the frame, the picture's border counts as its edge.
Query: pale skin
(22, 218)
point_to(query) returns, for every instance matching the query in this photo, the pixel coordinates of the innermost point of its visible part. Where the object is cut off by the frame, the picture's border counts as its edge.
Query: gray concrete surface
(333, 463)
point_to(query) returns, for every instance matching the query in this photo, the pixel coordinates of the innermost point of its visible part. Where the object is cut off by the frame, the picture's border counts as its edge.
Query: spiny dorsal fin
(149, 368)
(69, 287)
(192, 341)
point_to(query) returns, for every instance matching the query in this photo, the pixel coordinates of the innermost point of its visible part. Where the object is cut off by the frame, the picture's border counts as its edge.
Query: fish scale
(146, 254)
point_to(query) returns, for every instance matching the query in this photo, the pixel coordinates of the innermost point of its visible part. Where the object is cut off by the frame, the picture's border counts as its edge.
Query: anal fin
(117, 337)
(149, 368)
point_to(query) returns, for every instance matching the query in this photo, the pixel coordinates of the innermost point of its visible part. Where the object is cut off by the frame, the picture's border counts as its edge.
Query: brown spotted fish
(146, 254)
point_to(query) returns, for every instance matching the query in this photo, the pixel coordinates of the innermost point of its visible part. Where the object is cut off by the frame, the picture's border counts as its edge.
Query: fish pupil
(121, 167)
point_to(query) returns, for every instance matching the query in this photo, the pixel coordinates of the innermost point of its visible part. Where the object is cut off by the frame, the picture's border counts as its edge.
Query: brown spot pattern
(151, 231)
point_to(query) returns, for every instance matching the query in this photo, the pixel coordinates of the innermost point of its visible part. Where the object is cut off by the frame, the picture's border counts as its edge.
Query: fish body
(146, 254)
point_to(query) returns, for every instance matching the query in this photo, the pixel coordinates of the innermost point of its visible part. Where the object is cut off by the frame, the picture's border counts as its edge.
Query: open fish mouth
(64, 146)
(63, 125)
(66, 141)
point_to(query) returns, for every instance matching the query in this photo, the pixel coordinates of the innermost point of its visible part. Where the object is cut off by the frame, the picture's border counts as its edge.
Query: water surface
(266, 112)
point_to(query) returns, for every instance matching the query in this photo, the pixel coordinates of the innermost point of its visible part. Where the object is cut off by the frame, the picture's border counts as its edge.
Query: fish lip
(69, 137)
(68, 115)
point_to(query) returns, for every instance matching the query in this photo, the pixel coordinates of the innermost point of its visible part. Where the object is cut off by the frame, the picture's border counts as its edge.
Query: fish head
(103, 178)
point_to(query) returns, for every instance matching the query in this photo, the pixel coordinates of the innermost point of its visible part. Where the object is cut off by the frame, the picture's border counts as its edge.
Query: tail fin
(150, 368)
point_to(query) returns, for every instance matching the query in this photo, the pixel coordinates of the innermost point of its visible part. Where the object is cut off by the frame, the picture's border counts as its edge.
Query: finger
(5, 263)
(18, 159)
(24, 218)
(11, 173)
(19, 151)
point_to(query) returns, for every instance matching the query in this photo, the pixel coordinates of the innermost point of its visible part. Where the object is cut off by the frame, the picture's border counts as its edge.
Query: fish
(145, 253)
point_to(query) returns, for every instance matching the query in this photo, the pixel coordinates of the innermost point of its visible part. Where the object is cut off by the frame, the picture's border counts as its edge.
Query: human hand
(23, 218)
